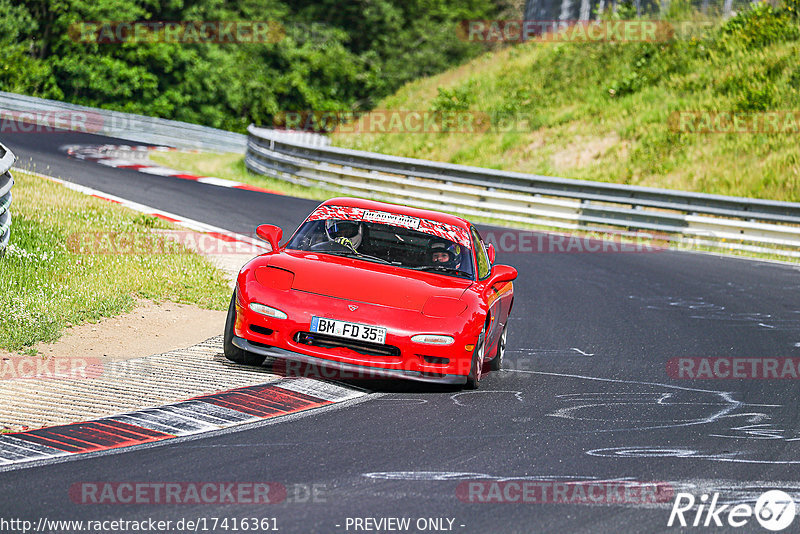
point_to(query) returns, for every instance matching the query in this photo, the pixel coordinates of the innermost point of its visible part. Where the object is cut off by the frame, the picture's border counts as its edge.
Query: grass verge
(47, 283)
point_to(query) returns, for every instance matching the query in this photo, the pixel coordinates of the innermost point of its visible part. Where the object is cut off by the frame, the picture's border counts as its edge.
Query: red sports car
(374, 290)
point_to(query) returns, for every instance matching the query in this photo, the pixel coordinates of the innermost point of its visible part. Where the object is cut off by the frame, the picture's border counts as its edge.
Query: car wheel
(231, 351)
(476, 368)
(497, 362)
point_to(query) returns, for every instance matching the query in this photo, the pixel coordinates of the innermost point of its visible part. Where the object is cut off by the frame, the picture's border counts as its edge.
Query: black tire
(231, 351)
(476, 367)
(497, 362)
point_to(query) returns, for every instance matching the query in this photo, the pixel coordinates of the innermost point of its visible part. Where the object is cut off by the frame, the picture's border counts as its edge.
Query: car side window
(480, 255)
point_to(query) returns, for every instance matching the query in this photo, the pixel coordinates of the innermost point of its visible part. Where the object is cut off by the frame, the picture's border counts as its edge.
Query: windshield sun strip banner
(438, 229)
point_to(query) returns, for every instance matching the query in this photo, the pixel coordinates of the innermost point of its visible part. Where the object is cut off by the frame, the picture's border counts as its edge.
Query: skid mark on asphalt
(611, 407)
(660, 452)
(601, 412)
(461, 475)
(699, 308)
(571, 351)
(720, 398)
(459, 401)
(401, 401)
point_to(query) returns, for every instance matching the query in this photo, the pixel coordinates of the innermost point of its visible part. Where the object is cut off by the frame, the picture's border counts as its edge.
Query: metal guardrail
(291, 136)
(709, 220)
(7, 159)
(137, 128)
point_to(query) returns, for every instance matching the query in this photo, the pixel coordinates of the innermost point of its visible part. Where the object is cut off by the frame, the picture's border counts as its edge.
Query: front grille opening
(261, 330)
(436, 360)
(362, 347)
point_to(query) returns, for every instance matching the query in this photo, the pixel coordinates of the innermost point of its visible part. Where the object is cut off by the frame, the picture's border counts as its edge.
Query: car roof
(399, 209)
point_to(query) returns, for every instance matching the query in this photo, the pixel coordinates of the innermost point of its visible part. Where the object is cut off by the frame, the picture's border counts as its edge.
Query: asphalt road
(233, 209)
(585, 397)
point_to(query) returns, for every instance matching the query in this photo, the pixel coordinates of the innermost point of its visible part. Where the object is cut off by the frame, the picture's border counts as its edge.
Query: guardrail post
(7, 159)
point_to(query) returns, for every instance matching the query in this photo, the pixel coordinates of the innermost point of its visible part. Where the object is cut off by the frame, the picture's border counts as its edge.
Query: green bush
(759, 26)
(457, 99)
(793, 8)
(336, 55)
(756, 95)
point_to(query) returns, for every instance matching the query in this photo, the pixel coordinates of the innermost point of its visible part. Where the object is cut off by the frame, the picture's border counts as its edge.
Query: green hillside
(608, 111)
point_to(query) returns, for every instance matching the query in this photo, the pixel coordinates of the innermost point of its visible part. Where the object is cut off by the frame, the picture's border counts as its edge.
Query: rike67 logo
(774, 510)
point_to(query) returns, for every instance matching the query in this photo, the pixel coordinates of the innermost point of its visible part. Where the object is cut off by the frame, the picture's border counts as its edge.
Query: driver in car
(444, 254)
(349, 234)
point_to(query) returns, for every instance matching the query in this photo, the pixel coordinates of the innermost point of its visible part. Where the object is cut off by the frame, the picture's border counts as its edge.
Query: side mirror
(490, 252)
(500, 274)
(271, 234)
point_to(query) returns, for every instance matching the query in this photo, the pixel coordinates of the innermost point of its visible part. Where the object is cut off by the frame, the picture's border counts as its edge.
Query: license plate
(362, 332)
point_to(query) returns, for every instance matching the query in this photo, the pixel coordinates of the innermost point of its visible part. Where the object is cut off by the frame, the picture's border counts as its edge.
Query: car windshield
(384, 243)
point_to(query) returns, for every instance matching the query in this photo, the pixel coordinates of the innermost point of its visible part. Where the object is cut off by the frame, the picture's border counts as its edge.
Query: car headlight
(433, 339)
(267, 310)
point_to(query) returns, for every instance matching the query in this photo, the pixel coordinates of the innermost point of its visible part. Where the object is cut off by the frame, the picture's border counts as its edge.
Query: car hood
(364, 281)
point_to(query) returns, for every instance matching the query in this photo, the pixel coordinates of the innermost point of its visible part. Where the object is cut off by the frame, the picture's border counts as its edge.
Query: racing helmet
(343, 229)
(444, 253)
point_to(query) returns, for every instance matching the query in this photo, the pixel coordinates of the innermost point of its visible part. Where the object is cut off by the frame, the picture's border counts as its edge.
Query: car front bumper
(341, 370)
